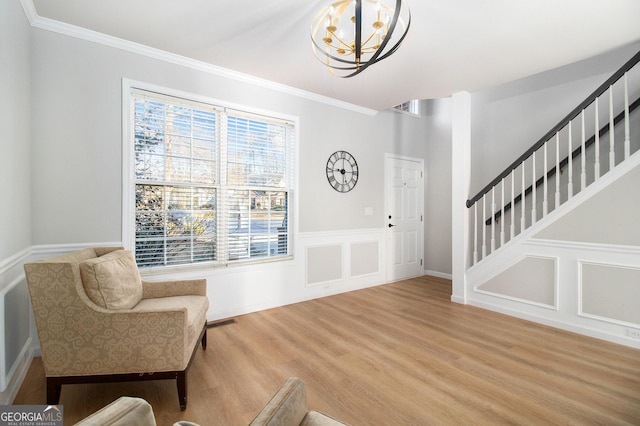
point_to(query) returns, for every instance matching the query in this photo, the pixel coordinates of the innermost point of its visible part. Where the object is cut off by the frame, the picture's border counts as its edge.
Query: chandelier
(350, 35)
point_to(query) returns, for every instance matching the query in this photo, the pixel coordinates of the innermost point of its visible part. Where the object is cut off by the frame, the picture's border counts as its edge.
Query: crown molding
(29, 10)
(47, 24)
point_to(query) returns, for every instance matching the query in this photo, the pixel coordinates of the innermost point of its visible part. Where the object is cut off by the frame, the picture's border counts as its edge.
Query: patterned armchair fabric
(124, 411)
(288, 407)
(81, 340)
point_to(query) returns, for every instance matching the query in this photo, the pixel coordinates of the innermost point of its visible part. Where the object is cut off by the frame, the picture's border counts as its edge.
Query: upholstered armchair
(288, 407)
(97, 321)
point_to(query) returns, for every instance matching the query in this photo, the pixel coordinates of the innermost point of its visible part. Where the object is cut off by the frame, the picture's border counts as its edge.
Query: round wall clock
(342, 171)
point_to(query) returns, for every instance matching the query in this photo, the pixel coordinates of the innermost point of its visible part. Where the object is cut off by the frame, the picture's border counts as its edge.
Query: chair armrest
(288, 406)
(123, 411)
(155, 289)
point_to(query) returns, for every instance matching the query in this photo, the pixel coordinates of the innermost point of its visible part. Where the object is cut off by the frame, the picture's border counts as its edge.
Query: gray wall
(15, 192)
(15, 121)
(437, 248)
(77, 144)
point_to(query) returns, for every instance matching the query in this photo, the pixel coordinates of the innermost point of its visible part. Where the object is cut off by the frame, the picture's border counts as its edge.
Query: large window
(211, 184)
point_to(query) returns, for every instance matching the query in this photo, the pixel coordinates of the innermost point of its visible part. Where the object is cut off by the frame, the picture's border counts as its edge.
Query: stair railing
(526, 182)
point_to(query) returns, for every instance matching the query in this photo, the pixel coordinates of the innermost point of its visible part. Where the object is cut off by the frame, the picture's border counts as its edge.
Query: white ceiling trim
(47, 24)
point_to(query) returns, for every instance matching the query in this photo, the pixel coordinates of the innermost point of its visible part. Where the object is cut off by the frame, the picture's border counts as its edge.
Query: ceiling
(452, 45)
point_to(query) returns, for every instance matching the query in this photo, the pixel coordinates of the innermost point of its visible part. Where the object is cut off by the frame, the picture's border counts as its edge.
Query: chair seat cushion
(112, 281)
(196, 306)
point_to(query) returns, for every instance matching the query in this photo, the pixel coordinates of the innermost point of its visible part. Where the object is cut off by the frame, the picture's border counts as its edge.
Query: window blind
(211, 184)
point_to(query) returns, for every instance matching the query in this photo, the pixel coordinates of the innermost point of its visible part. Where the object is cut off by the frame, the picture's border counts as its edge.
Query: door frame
(387, 258)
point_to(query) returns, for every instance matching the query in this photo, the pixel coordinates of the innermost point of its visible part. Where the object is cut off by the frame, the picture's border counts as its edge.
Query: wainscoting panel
(598, 262)
(610, 293)
(531, 279)
(344, 259)
(15, 326)
(324, 264)
(365, 258)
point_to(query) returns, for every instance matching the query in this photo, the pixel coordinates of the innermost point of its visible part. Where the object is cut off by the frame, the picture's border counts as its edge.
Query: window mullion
(165, 210)
(165, 217)
(191, 221)
(223, 194)
(269, 222)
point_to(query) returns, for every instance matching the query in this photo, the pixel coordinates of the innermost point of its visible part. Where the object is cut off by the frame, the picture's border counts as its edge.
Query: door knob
(390, 225)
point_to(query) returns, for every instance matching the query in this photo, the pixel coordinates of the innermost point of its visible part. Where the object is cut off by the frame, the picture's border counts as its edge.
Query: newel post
(460, 181)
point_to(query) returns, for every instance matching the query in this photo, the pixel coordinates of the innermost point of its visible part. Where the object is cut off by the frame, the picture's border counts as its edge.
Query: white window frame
(128, 171)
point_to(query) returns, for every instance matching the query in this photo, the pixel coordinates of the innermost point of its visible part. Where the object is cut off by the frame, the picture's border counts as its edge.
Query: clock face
(342, 171)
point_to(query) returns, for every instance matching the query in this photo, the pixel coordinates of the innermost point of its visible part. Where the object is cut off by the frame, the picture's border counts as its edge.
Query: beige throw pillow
(112, 281)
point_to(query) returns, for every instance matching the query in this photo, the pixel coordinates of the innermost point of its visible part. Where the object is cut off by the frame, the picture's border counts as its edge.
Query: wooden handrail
(573, 114)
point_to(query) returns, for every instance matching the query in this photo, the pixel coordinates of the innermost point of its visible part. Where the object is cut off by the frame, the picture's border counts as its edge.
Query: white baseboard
(439, 274)
(556, 323)
(456, 299)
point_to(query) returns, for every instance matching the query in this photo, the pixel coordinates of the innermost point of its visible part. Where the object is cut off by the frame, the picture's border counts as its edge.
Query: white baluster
(627, 136)
(493, 219)
(570, 160)
(583, 156)
(512, 228)
(534, 211)
(612, 152)
(545, 192)
(557, 199)
(597, 149)
(484, 227)
(502, 217)
(523, 203)
(475, 233)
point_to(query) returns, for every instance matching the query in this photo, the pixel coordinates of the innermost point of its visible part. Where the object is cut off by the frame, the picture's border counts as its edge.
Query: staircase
(555, 237)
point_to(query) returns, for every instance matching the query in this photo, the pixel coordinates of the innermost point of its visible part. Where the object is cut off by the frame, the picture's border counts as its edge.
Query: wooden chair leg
(54, 388)
(181, 380)
(204, 339)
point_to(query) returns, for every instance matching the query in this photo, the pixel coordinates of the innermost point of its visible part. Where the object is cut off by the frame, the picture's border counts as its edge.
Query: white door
(404, 192)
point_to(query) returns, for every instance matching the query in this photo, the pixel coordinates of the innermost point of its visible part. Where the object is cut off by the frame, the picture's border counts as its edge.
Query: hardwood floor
(396, 354)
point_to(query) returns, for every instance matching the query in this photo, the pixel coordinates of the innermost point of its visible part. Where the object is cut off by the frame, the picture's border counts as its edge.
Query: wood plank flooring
(396, 354)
